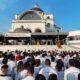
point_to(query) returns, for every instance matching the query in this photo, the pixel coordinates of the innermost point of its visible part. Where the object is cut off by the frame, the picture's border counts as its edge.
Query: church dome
(34, 14)
(30, 15)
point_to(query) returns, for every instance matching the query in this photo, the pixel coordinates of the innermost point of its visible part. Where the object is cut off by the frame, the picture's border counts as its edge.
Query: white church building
(32, 26)
(34, 20)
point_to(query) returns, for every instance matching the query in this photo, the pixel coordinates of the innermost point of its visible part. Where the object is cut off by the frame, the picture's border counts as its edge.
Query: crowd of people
(39, 65)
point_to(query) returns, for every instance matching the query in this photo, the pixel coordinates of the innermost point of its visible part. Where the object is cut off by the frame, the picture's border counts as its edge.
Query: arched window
(38, 30)
(48, 17)
(48, 24)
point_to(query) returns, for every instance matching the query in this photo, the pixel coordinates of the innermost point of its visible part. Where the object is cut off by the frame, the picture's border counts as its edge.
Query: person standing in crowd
(72, 72)
(53, 63)
(18, 70)
(18, 56)
(66, 60)
(60, 69)
(37, 67)
(4, 73)
(30, 74)
(12, 64)
(47, 69)
(22, 74)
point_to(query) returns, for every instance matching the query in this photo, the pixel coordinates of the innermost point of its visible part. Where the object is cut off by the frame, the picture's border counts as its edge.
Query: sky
(66, 12)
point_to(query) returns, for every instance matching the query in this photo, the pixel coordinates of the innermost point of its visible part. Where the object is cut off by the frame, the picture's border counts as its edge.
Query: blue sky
(66, 12)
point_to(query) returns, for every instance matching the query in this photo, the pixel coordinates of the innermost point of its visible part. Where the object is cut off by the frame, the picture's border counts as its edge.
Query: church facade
(34, 20)
(33, 26)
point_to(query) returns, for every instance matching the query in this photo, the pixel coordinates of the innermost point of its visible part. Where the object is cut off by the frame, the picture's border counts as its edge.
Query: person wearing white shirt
(47, 70)
(72, 72)
(18, 70)
(53, 63)
(66, 60)
(22, 74)
(5, 78)
(37, 67)
(60, 69)
(4, 73)
(12, 64)
(30, 74)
